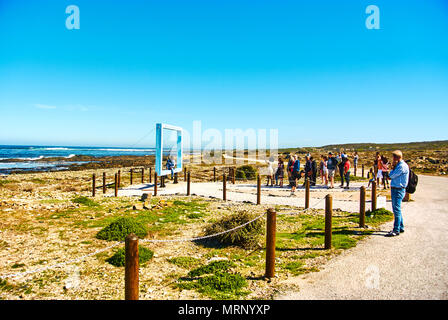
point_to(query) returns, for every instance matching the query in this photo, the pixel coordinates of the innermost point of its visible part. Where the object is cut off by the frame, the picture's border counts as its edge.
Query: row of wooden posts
(131, 246)
(187, 178)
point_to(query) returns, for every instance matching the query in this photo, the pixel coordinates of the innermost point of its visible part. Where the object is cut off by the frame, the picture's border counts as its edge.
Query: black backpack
(412, 183)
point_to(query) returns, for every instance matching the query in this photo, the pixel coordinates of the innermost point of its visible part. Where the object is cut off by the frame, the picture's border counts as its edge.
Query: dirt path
(347, 200)
(411, 266)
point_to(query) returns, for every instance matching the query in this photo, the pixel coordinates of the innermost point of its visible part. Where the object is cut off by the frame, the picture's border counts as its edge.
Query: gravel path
(247, 192)
(411, 266)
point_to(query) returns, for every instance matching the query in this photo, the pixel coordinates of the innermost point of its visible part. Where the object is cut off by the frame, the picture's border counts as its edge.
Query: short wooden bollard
(328, 217)
(104, 182)
(214, 174)
(175, 178)
(307, 193)
(188, 183)
(224, 187)
(116, 185)
(143, 175)
(185, 174)
(233, 175)
(362, 171)
(93, 185)
(258, 189)
(155, 183)
(356, 168)
(150, 174)
(119, 178)
(162, 181)
(131, 175)
(131, 281)
(271, 226)
(362, 207)
(373, 208)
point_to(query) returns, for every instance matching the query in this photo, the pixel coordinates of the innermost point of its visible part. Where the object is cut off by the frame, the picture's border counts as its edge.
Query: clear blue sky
(309, 68)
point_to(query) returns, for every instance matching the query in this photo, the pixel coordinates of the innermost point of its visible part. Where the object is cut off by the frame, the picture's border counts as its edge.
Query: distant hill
(424, 145)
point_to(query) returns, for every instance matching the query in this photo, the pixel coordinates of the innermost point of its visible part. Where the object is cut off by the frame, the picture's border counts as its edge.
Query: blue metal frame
(159, 149)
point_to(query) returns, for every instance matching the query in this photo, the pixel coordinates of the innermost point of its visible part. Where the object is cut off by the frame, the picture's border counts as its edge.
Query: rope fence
(131, 242)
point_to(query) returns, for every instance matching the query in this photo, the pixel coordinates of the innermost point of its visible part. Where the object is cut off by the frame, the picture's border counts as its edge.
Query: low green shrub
(119, 257)
(222, 281)
(184, 262)
(246, 237)
(379, 212)
(120, 228)
(246, 172)
(215, 281)
(212, 267)
(85, 201)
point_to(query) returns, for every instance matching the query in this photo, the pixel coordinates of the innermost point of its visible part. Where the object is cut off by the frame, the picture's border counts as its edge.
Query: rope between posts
(205, 237)
(303, 210)
(61, 264)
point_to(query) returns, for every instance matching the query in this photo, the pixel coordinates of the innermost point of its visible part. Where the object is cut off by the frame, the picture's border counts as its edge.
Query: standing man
(313, 171)
(331, 166)
(355, 161)
(295, 174)
(307, 170)
(341, 167)
(399, 180)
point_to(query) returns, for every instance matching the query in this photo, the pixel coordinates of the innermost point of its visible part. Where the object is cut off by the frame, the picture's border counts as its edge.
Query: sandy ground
(346, 200)
(411, 266)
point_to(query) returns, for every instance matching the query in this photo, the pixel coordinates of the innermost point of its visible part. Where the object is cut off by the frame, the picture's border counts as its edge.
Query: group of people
(397, 172)
(326, 168)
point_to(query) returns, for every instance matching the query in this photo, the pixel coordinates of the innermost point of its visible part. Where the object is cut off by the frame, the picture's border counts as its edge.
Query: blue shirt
(331, 163)
(399, 175)
(296, 166)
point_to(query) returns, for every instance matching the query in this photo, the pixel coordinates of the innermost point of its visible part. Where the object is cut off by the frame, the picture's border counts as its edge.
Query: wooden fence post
(93, 185)
(258, 189)
(328, 217)
(363, 170)
(214, 174)
(233, 175)
(185, 174)
(116, 185)
(143, 175)
(373, 208)
(155, 183)
(307, 193)
(188, 183)
(131, 176)
(150, 175)
(224, 185)
(131, 268)
(119, 178)
(270, 243)
(175, 178)
(104, 182)
(362, 207)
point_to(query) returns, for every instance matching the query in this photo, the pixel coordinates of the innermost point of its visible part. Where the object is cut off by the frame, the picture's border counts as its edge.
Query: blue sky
(308, 68)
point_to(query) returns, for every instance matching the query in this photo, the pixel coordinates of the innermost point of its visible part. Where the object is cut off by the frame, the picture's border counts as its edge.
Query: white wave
(32, 159)
(127, 150)
(56, 148)
(70, 156)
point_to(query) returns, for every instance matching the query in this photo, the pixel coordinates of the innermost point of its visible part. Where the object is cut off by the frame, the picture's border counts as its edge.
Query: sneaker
(392, 234)
(402, 231)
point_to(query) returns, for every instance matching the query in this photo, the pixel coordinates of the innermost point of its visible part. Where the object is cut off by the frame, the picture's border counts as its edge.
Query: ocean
(33, 157)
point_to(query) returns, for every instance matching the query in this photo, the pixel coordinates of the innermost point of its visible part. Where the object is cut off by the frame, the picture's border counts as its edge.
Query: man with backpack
(399, 182)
